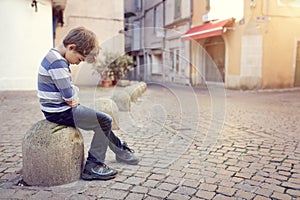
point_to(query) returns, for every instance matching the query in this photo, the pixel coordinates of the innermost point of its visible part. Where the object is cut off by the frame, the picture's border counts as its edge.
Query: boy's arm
(75, 100)
(61, 77)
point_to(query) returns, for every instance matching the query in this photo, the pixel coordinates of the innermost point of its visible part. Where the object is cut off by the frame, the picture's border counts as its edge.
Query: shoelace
(125, 146)
(105, 166)
(102, 168)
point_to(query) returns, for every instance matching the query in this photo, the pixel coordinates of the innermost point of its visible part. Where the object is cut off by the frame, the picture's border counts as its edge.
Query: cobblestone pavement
(194, 143)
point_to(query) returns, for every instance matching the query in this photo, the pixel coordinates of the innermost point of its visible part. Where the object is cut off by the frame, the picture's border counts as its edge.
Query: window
(155, 18)
(136, 39)
(138, 5)
(177, 10)
(156, 63)
(157, 22)
(174, 58)
(177, 60)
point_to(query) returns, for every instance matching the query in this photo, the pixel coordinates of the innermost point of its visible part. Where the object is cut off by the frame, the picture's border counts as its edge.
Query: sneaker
(97, 171)
(126, 155)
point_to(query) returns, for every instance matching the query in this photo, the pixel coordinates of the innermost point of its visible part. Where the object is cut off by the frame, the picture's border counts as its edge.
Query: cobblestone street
(194, 143)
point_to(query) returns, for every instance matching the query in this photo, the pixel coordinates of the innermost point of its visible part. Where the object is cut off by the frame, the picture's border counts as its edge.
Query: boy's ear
(71, 47)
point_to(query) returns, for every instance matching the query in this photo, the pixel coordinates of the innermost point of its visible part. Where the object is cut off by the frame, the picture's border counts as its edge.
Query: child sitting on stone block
(60, 104)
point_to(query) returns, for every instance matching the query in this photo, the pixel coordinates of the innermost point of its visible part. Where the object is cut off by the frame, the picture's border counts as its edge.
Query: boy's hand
(75, 99)
(72, 103)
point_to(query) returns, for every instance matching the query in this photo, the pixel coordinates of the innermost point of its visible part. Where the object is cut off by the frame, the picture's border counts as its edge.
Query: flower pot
(114, 82)
(105, 83)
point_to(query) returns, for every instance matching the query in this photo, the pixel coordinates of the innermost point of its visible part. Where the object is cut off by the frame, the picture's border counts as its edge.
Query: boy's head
(84, 42)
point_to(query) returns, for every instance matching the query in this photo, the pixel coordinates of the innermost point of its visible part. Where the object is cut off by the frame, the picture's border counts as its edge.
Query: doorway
(214, 59)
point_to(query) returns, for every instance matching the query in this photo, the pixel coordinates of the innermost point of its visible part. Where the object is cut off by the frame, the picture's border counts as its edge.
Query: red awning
(209, 29)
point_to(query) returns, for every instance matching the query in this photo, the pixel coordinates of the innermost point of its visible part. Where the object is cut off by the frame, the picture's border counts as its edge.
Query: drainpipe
(164, 41)
(144, 52)
(190, 43)
(143, 44)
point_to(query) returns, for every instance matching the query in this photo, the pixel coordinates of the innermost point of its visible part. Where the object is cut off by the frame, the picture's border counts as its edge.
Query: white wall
(220, 9)
(25, 38)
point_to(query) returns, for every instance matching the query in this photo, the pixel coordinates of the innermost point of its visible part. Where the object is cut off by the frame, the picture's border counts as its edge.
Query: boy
(59, 103)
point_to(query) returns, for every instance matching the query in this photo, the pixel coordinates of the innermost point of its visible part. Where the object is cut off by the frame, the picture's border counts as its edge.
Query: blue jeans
(89, 119)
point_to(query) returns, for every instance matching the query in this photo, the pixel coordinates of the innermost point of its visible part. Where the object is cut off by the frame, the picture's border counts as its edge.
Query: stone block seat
(122, 99)
(135, 90)
(52, 154)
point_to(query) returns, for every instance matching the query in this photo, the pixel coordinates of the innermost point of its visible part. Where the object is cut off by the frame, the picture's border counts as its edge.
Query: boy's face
(72, 56)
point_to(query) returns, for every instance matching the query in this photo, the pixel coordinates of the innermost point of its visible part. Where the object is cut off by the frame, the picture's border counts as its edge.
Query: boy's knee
(108, 119)
(106, 123)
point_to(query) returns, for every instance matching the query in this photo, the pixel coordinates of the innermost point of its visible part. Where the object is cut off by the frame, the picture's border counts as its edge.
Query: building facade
(104, 18)
(33, 27)
(153, 36)
(258, 48)
(246, 44)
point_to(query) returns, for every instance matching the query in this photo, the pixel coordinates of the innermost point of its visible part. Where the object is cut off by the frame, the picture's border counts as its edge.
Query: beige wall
(199, 8)
(106, 19)
(279, 51)
(279, 31)
(24, 43)
(277, 28)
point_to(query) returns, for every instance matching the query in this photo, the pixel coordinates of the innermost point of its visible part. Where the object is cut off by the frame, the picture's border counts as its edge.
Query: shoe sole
(127, 162)
(93, 177)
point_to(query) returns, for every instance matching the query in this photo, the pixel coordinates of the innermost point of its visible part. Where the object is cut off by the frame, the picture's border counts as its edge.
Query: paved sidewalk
(195, 143)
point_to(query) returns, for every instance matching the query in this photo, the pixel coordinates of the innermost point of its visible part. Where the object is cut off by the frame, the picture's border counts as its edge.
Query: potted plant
(103, 72)
(113, 66)
(120, 66)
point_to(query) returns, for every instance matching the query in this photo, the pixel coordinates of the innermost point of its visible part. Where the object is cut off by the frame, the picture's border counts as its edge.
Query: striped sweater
(55, 84)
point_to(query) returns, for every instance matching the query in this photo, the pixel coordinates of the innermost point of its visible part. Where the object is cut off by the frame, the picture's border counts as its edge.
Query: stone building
(254, 45)
(152, 36)
(246, 44)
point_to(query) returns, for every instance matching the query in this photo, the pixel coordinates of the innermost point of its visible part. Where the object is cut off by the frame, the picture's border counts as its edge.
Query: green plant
(114, 66)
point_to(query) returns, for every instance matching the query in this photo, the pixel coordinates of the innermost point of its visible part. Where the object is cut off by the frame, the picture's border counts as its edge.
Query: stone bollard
(133, 91)
(134, 82)
(123, 83)
(140, 88)
(109, 107)
(144, 86)
(52, 154)
(122, 99)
